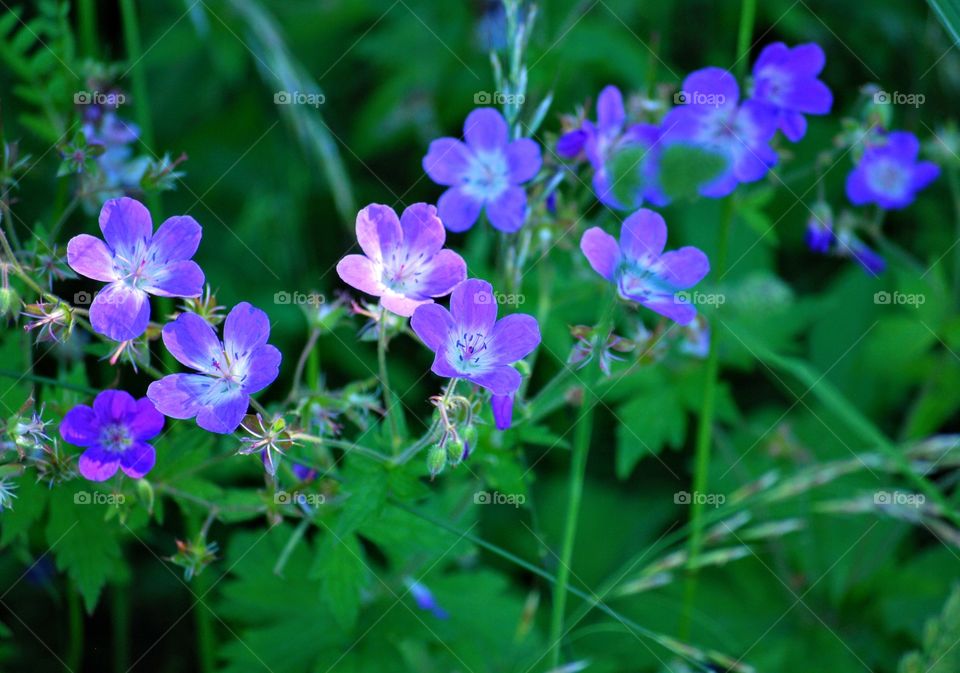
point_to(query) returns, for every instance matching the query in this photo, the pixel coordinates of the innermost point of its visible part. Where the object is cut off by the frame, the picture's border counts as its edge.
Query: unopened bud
(436, 459)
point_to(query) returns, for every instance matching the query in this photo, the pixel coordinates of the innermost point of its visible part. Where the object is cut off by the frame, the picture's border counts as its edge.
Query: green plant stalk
(120, 617)
(74, 658)
(953, 177)
(206, 638)
(578, 467)
(86, 14)
(388, 400)
(748, 12)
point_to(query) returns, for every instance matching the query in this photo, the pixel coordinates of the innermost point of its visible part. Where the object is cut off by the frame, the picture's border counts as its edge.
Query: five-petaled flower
(641, 270)
(230, 371)
(785, 80)
(712, 120)
(404, 262)
(486, 171)
(889, 174)
(114, 432)
(134, 262)
(469, 341)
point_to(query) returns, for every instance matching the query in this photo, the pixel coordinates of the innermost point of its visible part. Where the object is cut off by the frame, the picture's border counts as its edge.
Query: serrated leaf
(342, 571)
(648, 424)
(684, 169)
(27, 509)
(626, 175)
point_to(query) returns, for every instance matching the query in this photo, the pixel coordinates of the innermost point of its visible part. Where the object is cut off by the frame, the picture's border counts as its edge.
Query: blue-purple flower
(135, 262)
(120, 169)
(114, 432)
(710, 118)
(483, 173)
(889, 174)
(230, 370)
(641, 270)
(470, 343)
(502, 407)
(404, 261)
(785, 80)
(600, 141)
(424, 599)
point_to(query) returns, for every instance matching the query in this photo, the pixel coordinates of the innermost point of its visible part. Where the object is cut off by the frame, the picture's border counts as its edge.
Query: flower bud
(436, 459)
(9, 302)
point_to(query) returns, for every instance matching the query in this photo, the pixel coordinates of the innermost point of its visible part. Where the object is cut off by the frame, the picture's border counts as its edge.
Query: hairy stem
(388, 400)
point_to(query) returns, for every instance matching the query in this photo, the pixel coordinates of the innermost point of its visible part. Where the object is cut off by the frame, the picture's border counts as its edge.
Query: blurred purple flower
(485, 172)
(785, 80)
(710, 118)
(889, 174)
(425, 600)
(120, 170)
(404, 262)
(599, 141)
(469, 341)
(230, 371)
(641, 270)
(135, 262)
(114, 432)
(502, 407)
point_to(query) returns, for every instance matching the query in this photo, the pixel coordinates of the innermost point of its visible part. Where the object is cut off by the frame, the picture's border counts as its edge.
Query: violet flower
(470, 343)
(135, 262)
(230, 371)
(641, 270)
(502, 407)
(888, 174)
(785, 80)
(114, 432)
(483, 173)
(424, 599)
(404, 262)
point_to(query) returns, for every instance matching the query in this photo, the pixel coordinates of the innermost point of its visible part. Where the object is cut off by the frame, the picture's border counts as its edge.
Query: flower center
(888, 177)
(486, 178)
(401, 273)
(115, 438)
(641, 284)
(470, 347)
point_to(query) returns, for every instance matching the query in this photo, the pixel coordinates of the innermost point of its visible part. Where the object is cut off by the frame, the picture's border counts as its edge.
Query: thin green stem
(288, 548)
(87, 18)
(388, 404)
(953, 177)
(206, 638)
(74, 658)
(578, 467)
(120, 617)
(748, 12)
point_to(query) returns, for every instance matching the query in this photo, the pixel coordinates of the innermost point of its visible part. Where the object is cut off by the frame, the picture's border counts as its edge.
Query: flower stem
(578, 467)
(87, 18)
(388, 400)
(75, 648)
(953, 178)
(120, 616)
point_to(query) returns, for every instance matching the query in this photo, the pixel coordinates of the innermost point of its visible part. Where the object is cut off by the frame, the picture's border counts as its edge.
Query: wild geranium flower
(230, 370)
(710, 118)
(599, 141)
(404, 261)
(114, 432)
(485, 172)
(641, 270)
(135, 262)
(889, 174)
(424, 598)
(470, 343)
(785, 80)
(502, 407)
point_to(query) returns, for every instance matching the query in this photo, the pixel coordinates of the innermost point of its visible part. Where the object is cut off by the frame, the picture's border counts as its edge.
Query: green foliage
(939, 653)
(685, 169)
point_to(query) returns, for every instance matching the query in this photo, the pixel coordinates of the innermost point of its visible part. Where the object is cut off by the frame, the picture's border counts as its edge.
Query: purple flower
(641, 270)
(486, 171)
(889, 174)
(600, 141)
(135, 262)
(425, 600)
(820, 236)
(711, 119)
(502, 407)
(302, 472)
(469, 341)
(114, 432)
(230, 371)
(120, 169)
(785, 80)
(403, 261)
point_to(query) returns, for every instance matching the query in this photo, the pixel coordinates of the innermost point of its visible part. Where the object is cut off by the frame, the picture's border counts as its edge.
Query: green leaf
(626, 174)
(83, 543)
(939, 654)
(26, 511)
(948, 11)
(685, 168)
(648, 423)
(341, 568)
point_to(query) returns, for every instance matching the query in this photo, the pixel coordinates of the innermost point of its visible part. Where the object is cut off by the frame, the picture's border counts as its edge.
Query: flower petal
(473, 306)
(643, 236)
(610, 112)
(245, 329)
(378, 231)
(179, 395)
(458, 210)
(502, 407)
(138, 459)
(192, 341)
(176, 239)
(359, 272)
(433, 324)
(509, 210)
(400, 304)
(120, 312)
(146, 422)
(858, 189)
(423, 231)
(446, 269)
(602, 251)
(98, 464)
(523, 160)
(503, 380)
(182, 278)
(90, 257)
(125, 222)
(485, 129)
(263, 367)
(685, 267)
(571, 143)
(514, 337)
(114, 406)
(80, 426)
(446, 161)
(225, 416)
(683, 313)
